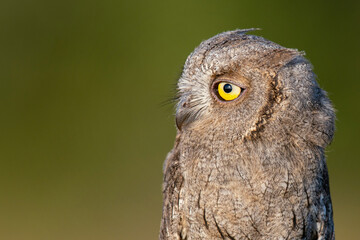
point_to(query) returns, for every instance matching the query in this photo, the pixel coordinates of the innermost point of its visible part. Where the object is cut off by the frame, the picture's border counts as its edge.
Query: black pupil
(227, 88)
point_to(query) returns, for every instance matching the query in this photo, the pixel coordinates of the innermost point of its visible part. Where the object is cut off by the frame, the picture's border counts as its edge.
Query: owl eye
(227, 91)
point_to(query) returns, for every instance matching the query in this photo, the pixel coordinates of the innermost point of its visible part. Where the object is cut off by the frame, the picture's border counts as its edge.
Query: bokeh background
(84, 129)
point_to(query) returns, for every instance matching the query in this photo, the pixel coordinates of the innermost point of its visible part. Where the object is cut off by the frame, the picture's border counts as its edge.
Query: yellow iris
(228, 91)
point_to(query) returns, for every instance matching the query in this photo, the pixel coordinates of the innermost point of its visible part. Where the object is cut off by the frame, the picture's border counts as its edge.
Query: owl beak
(183, 114)
(180, 118)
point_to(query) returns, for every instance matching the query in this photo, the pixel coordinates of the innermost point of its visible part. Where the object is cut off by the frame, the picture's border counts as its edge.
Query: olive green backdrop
(83, 127)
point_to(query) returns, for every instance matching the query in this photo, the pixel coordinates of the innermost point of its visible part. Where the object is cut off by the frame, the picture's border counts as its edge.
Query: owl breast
(242, 197)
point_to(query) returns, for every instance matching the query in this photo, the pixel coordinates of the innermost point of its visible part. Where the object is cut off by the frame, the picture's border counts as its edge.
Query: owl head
(241, 86)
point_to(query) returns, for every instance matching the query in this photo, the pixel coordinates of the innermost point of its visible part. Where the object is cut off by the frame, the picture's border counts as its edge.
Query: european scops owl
(249, 155)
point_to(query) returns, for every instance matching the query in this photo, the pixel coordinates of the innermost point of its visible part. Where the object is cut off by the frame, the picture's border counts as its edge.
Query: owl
(249, 156)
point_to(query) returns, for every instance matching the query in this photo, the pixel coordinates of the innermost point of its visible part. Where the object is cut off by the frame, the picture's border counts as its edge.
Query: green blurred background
(84, 130)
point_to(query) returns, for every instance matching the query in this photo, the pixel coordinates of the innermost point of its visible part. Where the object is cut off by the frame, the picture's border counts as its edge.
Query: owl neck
(215, 150)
